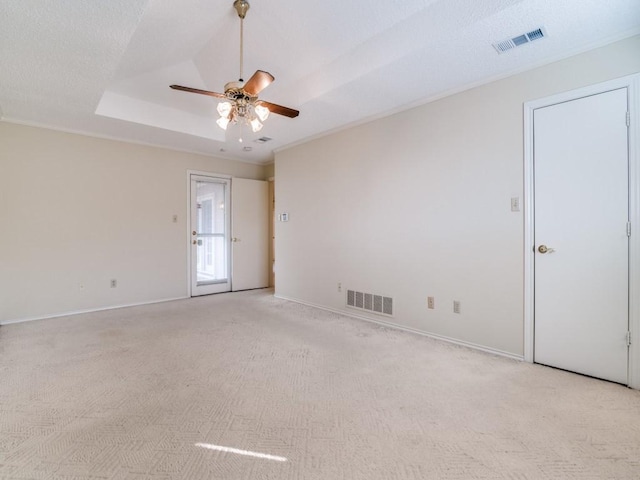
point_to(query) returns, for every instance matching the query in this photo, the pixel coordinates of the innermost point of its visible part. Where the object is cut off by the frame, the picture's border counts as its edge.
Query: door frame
(272, 231)
(188, 222)
(632, 83)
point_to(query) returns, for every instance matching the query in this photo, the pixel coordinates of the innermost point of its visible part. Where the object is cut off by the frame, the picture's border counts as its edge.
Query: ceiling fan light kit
(241, 99)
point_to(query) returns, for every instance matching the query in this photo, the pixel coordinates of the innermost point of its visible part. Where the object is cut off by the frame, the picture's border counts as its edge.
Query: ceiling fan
(242, 103)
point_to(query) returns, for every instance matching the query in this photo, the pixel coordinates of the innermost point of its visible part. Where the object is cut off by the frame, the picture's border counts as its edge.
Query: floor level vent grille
(370, 302)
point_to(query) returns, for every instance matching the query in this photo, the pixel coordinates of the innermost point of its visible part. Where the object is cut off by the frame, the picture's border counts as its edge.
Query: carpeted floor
(245, 386)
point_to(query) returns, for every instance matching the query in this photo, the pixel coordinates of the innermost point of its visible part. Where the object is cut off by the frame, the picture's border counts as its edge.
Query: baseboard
(436, 336)
(91, 310)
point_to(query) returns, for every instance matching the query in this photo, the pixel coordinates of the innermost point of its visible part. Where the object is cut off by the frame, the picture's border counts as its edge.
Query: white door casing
(591, 250)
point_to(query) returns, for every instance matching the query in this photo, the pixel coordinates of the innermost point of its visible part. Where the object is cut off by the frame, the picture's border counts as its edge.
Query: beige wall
(77, 211)
(418, 204)
(269, 170)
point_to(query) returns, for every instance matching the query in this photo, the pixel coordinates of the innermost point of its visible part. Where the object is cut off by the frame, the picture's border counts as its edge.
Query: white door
(581, 210)
(250, 242)
(210, 240)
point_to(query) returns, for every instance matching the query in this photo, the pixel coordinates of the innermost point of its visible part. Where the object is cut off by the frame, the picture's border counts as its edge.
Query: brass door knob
(545, 249)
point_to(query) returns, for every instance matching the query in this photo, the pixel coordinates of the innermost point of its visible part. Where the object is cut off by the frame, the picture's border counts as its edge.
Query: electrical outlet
(114, 283)
(456, 306)
(431, 303)
(515, 204)
(339, 286)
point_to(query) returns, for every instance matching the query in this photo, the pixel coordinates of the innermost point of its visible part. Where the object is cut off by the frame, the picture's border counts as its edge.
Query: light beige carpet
(161, 391)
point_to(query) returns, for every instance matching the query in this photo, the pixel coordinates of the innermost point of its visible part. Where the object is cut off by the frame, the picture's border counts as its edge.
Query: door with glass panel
(209, 228)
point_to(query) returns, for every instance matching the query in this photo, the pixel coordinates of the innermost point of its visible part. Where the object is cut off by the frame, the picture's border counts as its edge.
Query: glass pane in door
(211, 253)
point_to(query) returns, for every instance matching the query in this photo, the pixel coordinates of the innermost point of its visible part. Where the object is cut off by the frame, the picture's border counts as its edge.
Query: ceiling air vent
(520, 40)
(263, 140)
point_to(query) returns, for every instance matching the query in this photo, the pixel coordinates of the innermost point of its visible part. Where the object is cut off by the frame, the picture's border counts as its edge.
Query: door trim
(632, 83)
(188, 218)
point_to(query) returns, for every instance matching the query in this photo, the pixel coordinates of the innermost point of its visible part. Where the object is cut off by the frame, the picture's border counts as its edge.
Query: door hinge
(628, 339)
(628, 229)
(628, 119)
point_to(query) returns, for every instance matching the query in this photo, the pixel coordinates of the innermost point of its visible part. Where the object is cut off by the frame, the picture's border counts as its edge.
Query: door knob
(195, 242)
(545, 249)
(194, 233)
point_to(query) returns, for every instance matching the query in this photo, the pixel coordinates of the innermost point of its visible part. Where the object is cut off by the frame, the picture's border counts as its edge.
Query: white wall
(77, 211)
(418, 204)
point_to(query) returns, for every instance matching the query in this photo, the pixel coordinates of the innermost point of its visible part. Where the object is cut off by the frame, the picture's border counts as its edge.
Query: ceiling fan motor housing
(232, 86)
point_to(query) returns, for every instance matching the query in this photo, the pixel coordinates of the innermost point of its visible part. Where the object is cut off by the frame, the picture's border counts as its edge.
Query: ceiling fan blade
(197, 90)
(279, 109)
(258, 82)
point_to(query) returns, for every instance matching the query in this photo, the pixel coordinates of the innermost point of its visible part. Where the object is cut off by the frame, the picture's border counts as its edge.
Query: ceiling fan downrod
(242, 7)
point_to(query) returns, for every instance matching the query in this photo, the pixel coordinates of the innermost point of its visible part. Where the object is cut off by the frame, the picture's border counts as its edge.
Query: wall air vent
(370, 302)
(263, 140)
(520, 40)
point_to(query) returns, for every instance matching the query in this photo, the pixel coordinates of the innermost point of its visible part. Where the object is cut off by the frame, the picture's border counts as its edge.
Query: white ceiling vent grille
(520, 40)
(370, 302)
(263, 140)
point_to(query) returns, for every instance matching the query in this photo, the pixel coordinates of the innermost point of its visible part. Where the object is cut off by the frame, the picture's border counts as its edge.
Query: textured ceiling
(104, 68)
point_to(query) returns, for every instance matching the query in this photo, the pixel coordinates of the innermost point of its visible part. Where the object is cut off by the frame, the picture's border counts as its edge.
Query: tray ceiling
(104, 68)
